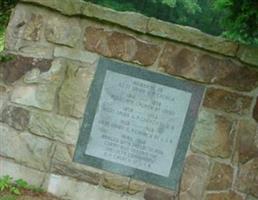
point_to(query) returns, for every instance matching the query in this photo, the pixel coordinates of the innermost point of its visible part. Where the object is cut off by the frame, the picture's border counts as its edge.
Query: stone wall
(56, 46)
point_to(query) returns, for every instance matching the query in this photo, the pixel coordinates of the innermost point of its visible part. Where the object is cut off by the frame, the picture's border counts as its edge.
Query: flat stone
(63, 30)
(17, 171)
(42, 91)
(247, 180)
(136, 186)
(36, 50)
(247, 141)
(15, 117)
(77, 55)
(30, 150)
(194, 178)
(212, 135)
(17, 67)
(74, 90)
(248, 54)
(221, 177)
(224, 196)
(69, 188)
(67, 7)
(227, 101)
(4, 97)
(116, 182)
(54, 127)
(191, 36)
(33, 28)
(120, 46)
(155, 193)
(255, 111)
(62, 164)
(137, 21)
(249, 197)
(193, 64)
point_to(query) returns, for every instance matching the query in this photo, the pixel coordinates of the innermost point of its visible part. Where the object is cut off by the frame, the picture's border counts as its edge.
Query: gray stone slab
(138, 123)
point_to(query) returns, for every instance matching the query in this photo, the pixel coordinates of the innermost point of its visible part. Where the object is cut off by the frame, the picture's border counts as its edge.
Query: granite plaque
(138, 123)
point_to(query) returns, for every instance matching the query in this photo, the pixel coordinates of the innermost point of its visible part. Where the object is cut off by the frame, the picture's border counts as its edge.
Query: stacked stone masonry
(55, 47)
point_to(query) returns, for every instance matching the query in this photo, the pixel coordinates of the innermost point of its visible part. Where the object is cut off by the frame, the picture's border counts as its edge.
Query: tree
(241, 20)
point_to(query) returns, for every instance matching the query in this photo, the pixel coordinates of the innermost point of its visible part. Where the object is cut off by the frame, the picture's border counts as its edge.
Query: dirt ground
(27, 195)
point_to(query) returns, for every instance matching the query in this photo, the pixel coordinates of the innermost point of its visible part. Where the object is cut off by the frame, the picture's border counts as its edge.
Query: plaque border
(197, 91)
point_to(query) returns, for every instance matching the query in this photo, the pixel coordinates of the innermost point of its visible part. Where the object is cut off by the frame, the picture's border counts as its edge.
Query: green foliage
(8, 197)
(241, 20)
(5, 183)
(5, 10)
(6, 58)
(15, 187)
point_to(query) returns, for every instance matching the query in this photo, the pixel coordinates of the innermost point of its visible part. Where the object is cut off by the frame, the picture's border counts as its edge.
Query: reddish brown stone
(221, 177)
(14, 69)
(213, 135)
(120, 46)
(194, 178)
(247, 141)
(205, 68)
(227, 101)
(247, 180)
(224, 196)
(157, 194)
(227, 73)
(255, 112)
(95, 40)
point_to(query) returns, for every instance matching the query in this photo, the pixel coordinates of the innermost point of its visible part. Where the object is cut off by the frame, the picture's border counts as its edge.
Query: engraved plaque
(138, 123)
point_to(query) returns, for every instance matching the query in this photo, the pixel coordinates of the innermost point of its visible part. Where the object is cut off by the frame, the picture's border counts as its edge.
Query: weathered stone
(36, 50)
(228, 73)
(73, 93)
(221, 177)
(33, 28)
(62, 164)
(227, 101)
(255, 111)
(28, 149)
(64, 31)
(3, 97)
(17, 171)
(116, 182)
(205, 68)
(247, 180)
(143, 24)
(136, 187)
(155, 194)
(194, 178)
(54, 127)
(68, 188)
(77, 55)
(213, 135)
(76, 172)
(191, 36)
(14, 69)
(41, 93)
(15, 117)
(224, 196)
(121, 46)
(248, 54)
(247, 141)
(137, 21)
(251, 198)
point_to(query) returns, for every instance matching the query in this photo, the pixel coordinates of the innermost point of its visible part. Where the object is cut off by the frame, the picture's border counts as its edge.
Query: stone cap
(152, 26)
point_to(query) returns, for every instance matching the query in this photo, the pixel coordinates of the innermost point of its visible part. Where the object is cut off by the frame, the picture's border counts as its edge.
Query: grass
(20, 190)
(2, 34)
